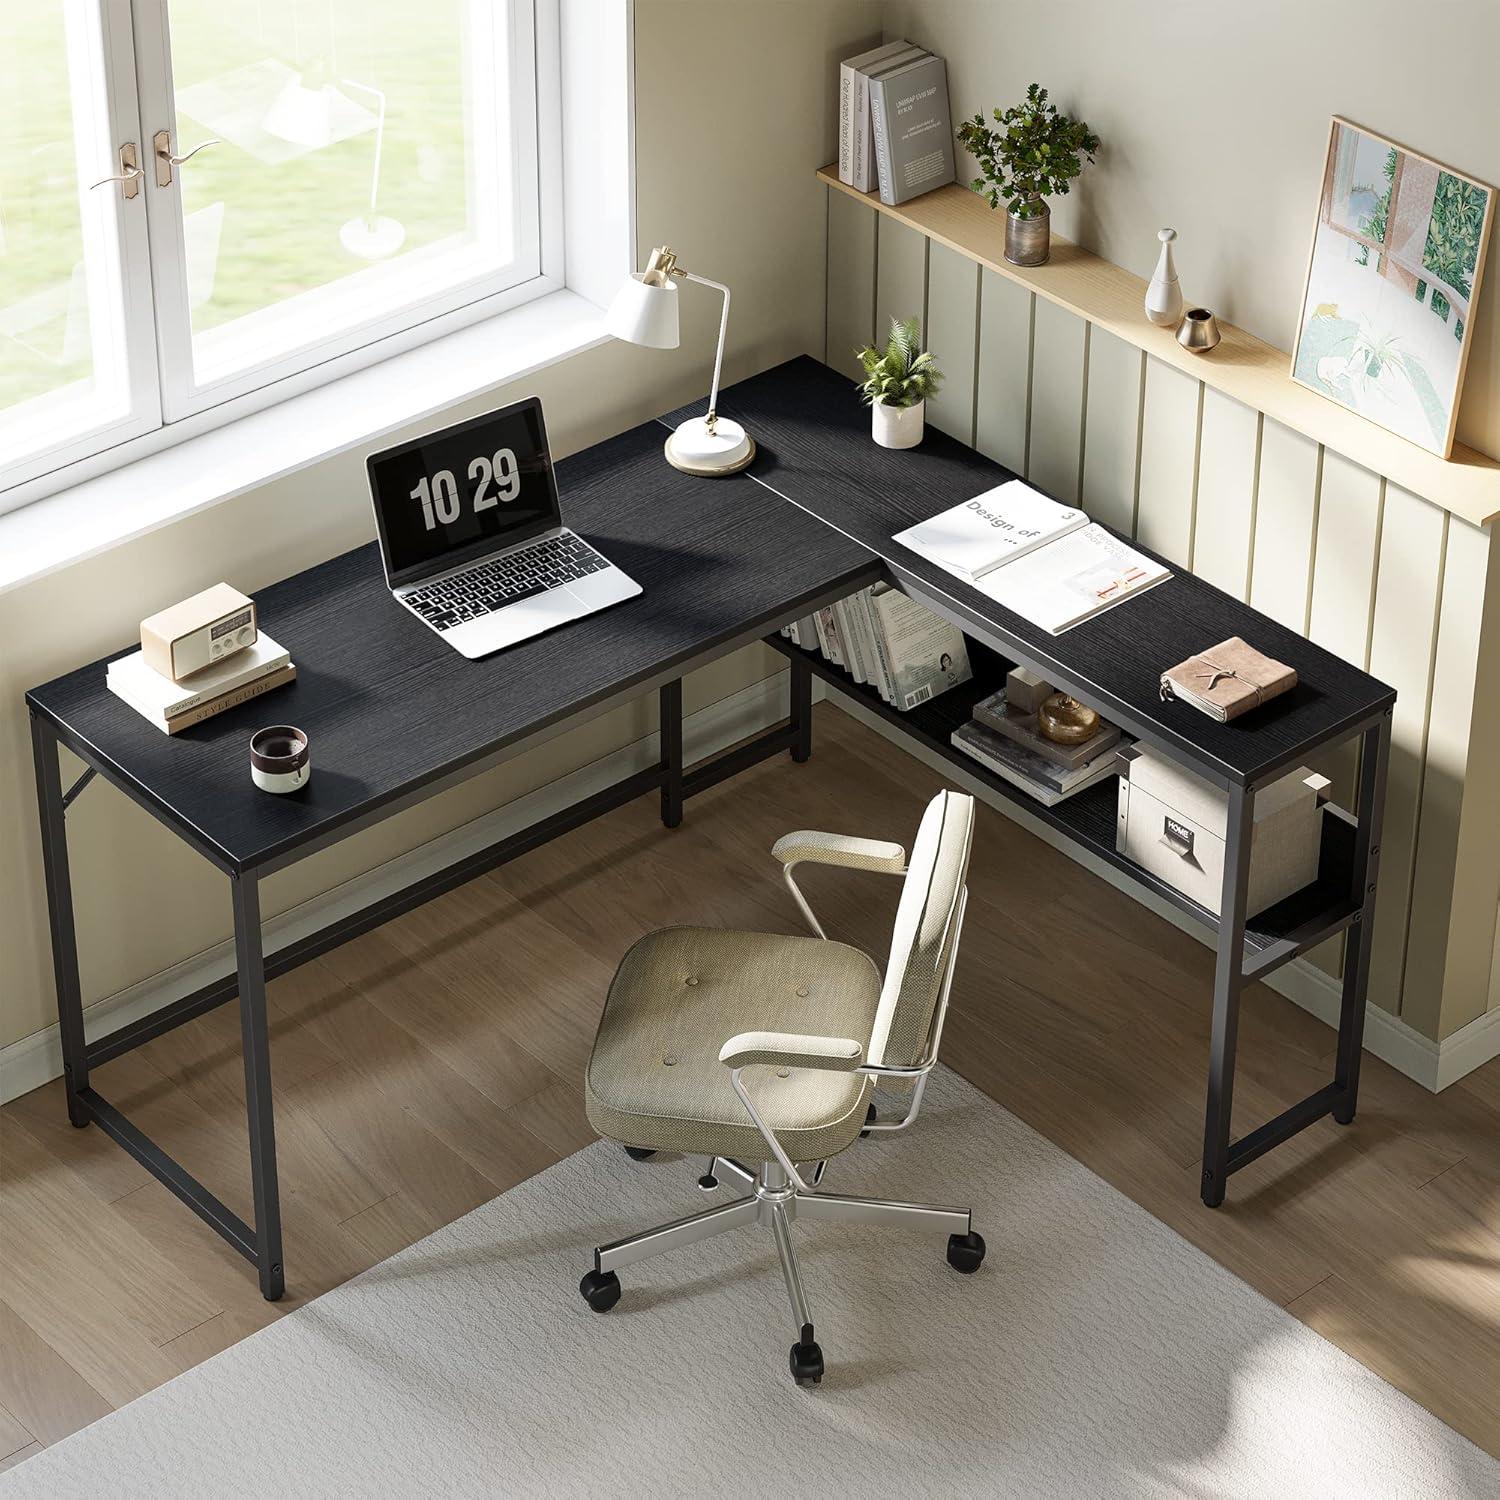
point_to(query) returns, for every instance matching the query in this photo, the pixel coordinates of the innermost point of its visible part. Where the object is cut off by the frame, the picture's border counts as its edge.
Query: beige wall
(1214, 119)
(723, 176)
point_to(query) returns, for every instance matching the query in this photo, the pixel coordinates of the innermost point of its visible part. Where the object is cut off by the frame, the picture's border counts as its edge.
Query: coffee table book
(996, 713)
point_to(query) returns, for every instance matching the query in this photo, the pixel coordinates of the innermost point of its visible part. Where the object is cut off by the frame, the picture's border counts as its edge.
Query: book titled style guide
(1045, 561)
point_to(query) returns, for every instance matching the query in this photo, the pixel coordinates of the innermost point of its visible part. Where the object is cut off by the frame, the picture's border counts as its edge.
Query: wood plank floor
(436, 1062)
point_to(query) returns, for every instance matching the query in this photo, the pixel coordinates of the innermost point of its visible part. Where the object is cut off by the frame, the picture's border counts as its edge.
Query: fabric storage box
(1172, 823)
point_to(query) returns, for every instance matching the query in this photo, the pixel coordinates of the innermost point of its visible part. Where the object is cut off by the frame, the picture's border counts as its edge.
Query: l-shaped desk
(395, 716)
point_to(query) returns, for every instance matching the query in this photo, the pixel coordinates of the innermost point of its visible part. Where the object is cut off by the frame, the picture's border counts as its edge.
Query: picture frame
(1393, 276)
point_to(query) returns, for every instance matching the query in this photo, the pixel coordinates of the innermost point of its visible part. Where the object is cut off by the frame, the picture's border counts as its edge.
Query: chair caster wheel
(639, 1153)
(806, 1359)
(601, 1290)
(966, 1252)
(870, 1118)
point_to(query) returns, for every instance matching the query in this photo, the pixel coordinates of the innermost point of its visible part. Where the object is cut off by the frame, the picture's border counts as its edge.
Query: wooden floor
(436, 1062)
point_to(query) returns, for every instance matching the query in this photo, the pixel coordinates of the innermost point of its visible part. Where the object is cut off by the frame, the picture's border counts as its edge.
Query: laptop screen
(464, 492)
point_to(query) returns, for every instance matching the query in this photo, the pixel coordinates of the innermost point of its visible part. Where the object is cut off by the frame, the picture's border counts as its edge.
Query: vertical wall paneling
(1112, 426)
(1003, 398)
(900, 275)
(1455, 663)
(952, 333)
(1286, 505)
(1169, 451)
(1228, 458)
(1403, 630)
(851, 280)
(1055, 447)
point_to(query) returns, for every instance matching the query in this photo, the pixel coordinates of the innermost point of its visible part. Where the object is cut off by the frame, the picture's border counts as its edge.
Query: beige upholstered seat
(747, 1047)
(655, 1079)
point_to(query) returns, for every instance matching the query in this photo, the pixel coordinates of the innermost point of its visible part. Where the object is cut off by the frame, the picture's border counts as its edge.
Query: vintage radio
(199, 632)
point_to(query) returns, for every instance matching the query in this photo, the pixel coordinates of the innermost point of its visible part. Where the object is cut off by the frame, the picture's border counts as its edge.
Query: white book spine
(847, 77)
(848, 639)
(861, 176)
(884, 680)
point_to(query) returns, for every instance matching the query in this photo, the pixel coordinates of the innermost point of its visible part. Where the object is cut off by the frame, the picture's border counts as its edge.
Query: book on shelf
(926, 654)
(854, 109)
(992, 529)
(912, 128)
(1040, 779)
(229, 698)
(1045, 561)
(1005, 718)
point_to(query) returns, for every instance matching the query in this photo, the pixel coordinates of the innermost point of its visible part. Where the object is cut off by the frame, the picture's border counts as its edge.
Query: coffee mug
(279, 759)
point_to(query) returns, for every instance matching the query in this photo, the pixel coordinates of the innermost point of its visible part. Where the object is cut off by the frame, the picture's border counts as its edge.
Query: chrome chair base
(772, 1201)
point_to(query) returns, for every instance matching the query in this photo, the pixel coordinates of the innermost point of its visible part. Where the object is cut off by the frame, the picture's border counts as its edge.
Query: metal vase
(1028, 242)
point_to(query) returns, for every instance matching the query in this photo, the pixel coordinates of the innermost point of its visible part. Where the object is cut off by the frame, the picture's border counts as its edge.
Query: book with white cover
(883, 679)
(927, 654)
(848, 631)
(992, 529)
(146, 689)
(1072, 579)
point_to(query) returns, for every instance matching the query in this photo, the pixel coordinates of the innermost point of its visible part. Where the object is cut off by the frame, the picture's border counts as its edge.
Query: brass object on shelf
(1065, 721)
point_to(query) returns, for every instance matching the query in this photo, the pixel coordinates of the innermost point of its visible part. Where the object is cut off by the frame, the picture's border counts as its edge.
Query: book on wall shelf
(912, 128)
(889, 642)
(1046, 562)
(856, 163)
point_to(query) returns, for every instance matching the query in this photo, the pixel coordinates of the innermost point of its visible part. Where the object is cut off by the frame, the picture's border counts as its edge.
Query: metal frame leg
(50, 810)
(674, 1236)
(1228, 983)
(669, 722)
(259, 1110)
(801, 714)
(782, 1231)
(843, 1209)
(1374, 761)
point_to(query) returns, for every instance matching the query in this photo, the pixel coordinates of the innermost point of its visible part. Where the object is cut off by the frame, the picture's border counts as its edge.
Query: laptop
(472, 537)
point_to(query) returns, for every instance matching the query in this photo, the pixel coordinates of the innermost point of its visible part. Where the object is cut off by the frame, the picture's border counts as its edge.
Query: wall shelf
(1243, 367)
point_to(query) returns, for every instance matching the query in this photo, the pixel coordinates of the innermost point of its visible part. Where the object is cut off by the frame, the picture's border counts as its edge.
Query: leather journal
(1227, 680)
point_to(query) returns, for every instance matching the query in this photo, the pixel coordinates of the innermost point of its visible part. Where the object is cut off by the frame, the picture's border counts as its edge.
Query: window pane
(62, 367)
(364, 165)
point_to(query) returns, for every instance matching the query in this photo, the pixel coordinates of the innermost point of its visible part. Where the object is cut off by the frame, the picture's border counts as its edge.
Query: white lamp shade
(644, 313)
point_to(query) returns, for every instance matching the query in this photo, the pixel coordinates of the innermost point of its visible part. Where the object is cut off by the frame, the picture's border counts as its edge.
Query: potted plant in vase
(1034, 152)
(898, 380)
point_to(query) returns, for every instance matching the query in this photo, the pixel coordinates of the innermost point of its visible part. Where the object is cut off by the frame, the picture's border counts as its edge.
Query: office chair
(752, 1047)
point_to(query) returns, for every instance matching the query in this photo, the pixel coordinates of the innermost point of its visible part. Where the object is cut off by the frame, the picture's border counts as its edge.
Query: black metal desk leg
(801, 690)
(1374, 759)
(255, 1039)
(669, 723)
(1228, 982)
(50, 806)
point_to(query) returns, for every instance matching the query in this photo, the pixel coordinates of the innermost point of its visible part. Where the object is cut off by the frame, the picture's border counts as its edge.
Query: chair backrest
(925, 940)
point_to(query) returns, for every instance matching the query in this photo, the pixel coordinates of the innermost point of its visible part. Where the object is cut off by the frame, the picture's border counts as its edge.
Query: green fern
(900, 375)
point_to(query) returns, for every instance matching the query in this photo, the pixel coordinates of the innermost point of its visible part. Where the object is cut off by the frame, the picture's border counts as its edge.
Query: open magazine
(1047, 562)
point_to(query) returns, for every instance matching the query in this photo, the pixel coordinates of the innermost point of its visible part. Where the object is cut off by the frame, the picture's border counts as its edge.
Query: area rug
(1095, 1353)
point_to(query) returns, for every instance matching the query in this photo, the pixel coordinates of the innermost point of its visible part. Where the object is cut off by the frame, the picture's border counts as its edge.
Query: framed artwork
(1397, 256)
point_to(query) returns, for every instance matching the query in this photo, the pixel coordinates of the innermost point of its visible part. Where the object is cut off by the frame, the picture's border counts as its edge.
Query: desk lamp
(645, 312)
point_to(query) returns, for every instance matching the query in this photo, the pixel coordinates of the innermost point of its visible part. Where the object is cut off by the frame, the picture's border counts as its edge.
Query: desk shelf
(1274, 937)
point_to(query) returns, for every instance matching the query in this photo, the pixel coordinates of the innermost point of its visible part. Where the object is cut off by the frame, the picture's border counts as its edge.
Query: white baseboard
(36, 1059)
(1432, 1064)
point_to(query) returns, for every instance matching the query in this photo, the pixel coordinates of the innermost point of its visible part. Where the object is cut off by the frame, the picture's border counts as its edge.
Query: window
(205, 206)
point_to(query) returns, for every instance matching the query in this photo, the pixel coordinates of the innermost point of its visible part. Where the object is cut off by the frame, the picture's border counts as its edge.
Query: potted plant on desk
(898, 380)
(1036, 151)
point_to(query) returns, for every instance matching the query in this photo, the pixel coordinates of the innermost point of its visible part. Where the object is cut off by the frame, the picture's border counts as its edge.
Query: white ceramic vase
(1164, 295)
(897, 426)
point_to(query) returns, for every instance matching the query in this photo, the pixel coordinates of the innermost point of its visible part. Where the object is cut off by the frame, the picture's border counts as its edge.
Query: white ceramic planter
(897, 426)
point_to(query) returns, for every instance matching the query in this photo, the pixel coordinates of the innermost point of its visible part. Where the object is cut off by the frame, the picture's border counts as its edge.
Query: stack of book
(173, 706)
(1007, 741)
(905, 652)
(895, 129)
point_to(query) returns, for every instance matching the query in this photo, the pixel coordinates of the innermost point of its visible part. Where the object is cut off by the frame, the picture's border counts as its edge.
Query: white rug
(1095, 1354)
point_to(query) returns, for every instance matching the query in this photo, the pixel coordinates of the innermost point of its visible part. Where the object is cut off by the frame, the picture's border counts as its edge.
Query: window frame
(168, 410)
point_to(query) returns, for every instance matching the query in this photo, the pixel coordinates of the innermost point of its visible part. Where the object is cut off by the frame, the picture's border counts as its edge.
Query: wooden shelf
(1243, 366)
(1272, 937)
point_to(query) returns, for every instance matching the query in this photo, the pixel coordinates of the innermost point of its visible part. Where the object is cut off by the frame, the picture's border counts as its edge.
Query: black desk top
(388, 707)
(814, 443)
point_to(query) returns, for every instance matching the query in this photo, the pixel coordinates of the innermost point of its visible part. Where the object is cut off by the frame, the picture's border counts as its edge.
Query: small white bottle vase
(1164, 295)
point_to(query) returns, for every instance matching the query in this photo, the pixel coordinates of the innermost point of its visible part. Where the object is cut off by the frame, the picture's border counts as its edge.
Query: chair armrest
(840, 849)
(830, 1054)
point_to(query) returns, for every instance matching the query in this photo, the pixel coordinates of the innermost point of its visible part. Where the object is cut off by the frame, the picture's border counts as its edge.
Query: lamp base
(372, 237)
(695, 450)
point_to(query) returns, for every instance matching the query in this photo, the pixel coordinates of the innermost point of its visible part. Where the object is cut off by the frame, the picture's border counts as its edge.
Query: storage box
(1172, 824)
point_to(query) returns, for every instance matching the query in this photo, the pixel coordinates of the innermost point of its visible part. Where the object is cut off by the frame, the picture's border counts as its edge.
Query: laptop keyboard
(491, 585)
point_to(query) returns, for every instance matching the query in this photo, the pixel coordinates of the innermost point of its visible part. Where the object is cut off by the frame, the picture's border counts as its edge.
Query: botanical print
(1395, 267)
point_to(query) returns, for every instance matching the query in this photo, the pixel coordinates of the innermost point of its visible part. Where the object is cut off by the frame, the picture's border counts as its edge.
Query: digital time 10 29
(494, 479)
